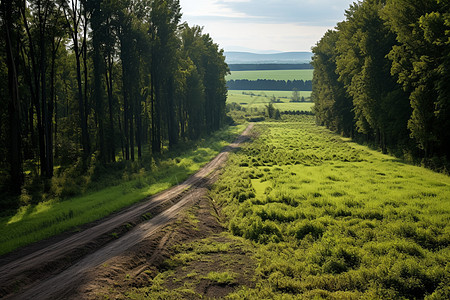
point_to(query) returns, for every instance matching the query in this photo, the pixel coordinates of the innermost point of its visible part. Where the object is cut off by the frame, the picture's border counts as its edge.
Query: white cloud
(209, 8)
(282, 37)
(284, 25)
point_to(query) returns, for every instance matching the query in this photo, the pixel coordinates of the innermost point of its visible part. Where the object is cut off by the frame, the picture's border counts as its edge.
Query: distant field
(258, 99)
(272, 74)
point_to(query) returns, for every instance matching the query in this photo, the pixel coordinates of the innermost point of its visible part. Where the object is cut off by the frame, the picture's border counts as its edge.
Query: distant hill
(277, 58)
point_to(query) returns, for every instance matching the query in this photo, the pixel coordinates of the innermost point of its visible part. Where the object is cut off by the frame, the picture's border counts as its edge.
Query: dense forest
(84, 82)
(269, 85)
(384, 74)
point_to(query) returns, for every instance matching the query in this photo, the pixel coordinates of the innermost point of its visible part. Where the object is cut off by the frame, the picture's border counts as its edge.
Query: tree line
(384, 73)
(101, 79)
(264, 67)
(269, 85)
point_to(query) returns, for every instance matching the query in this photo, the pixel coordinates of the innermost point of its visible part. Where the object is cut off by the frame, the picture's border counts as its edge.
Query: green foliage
(421, 64)
(98, 82)
(333, 219)
(333, 108)
(383, 74)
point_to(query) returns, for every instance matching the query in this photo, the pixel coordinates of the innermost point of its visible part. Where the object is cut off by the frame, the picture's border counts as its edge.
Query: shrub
(303, 228)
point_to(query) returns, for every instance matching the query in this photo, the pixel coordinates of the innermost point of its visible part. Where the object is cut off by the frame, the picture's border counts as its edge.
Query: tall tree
(15, 149)
(76, 16)
(422, 62)
(362, 64)
(164, 20)
(332, 105)
(215, 70)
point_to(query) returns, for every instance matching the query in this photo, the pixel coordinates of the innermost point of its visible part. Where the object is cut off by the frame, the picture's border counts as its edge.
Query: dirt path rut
(48, 273)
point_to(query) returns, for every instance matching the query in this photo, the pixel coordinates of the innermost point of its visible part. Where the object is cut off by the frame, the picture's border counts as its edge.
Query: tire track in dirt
(18, 274)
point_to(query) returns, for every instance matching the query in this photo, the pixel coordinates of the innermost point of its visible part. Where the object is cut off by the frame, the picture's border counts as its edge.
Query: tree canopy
(383, 74)
(99, 80)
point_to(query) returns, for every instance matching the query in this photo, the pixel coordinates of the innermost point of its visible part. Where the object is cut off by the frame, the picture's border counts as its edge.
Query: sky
(264, 26)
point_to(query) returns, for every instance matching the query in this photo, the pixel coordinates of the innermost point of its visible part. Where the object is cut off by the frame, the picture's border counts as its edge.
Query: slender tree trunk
(156, 119)
(126, 111)
(99, 90)
(109, 85)
(15, 147)
(81, 110)
(73, 20)
(131, 132)
(153, 112)
(35, 92)
(171, 115)
(121, 137)
(86, 98)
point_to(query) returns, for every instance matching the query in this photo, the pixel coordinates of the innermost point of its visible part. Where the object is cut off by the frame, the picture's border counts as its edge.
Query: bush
(305, 227)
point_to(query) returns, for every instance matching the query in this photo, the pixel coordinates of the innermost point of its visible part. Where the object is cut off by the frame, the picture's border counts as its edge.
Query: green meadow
(331, 219)
(259, 99)
(32, 223)
(272, 74)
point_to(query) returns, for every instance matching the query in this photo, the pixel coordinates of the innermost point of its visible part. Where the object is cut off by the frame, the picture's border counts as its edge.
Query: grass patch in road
(221, 277)
(210, 267)
(272, 74)
(36, 222)
(333, 219)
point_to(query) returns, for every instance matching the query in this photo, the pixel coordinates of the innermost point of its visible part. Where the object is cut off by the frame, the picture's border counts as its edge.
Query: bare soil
(84, 264)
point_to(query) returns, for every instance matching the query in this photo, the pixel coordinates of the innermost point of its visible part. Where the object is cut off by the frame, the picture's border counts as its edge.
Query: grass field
(330, 219)
(36, 222)
(272, 74)
(259, 99)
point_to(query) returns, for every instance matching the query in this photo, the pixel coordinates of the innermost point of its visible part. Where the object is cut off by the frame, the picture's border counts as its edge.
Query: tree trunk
(15, 147)
(109, 85)
(171, 116)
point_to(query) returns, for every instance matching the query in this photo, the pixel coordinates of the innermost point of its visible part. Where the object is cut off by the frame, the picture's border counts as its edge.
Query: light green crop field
(272, 74)
(36, 222)
(259, 99)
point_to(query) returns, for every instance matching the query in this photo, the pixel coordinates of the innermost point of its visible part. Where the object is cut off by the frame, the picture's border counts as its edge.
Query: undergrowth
(75, 198)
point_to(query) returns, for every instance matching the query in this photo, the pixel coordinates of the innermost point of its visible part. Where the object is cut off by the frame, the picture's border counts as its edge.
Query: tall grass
(32, 223)
(333, 219)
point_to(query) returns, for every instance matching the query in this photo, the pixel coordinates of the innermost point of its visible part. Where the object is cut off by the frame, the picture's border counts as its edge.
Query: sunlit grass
(261, 98)
(36, 222)
(334, 219)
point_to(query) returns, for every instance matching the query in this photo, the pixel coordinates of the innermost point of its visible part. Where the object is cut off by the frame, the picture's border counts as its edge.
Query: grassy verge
(331, 219)
(32, 223)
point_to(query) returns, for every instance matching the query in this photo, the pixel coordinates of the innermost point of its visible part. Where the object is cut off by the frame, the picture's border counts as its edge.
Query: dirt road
(50, 272)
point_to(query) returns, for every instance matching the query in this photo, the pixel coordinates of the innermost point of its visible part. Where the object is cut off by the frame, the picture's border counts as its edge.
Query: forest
(383, 76)
(269, 85)
(92, 83)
